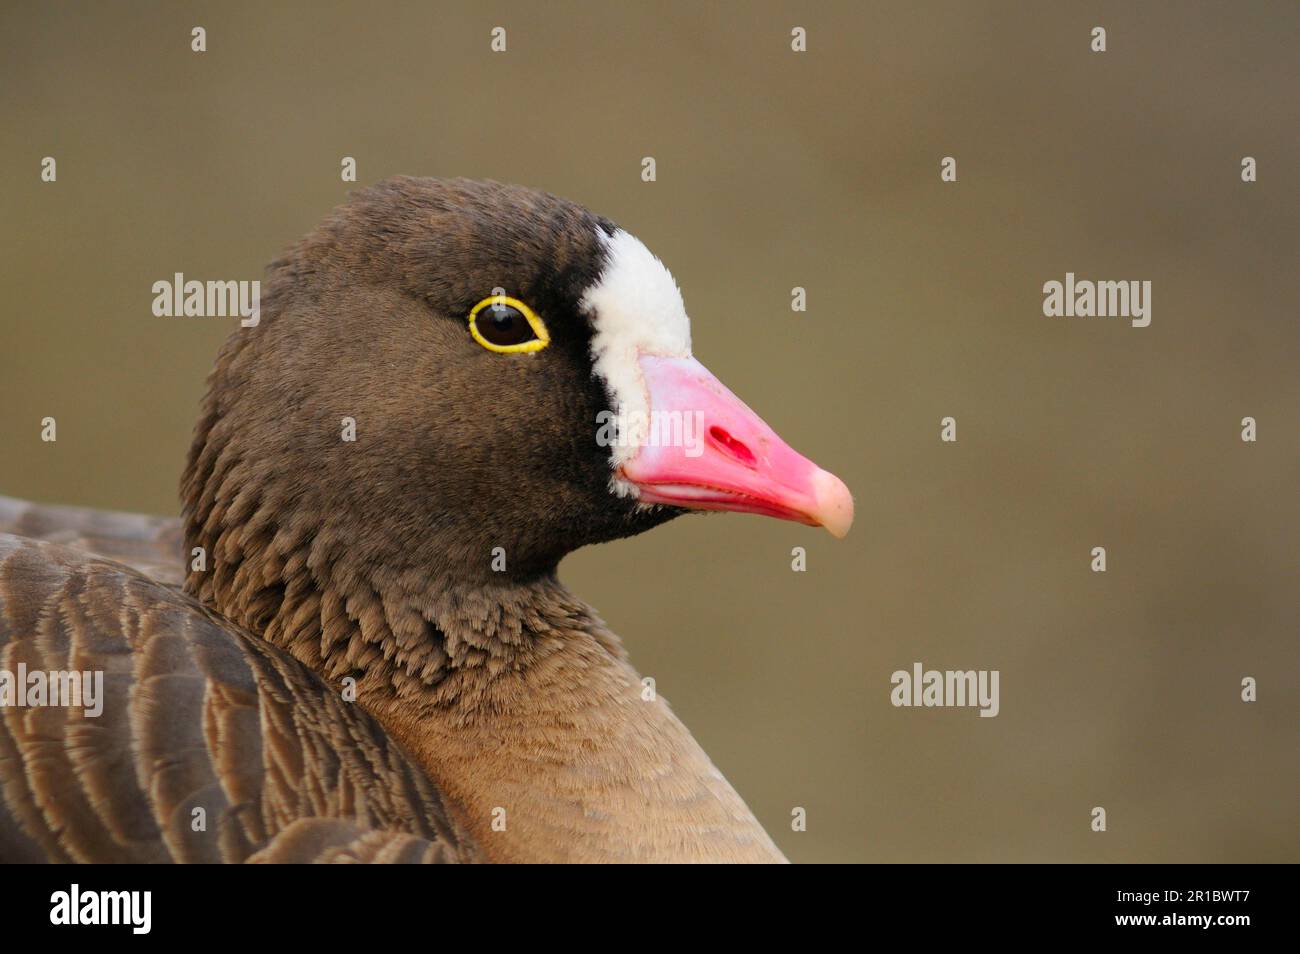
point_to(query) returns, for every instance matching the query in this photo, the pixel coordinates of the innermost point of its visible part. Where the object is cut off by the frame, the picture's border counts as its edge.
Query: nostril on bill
(732, 447)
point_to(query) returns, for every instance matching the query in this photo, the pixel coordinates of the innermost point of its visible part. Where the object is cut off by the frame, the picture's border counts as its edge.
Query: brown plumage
(495, 717)
(196, 715)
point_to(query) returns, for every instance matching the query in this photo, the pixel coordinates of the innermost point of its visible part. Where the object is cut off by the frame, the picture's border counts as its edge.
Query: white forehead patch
(635, 308)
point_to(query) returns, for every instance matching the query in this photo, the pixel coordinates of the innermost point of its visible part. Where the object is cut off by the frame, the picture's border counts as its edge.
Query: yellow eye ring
(539, 327)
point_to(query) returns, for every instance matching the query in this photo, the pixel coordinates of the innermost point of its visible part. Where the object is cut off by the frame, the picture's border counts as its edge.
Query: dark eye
(504, 325)
(500, 323)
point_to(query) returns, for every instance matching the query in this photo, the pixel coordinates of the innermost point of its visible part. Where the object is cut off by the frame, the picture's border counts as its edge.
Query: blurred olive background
(776, 170)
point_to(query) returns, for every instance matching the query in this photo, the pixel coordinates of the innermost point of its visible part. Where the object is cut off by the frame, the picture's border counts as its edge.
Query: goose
(353, 645)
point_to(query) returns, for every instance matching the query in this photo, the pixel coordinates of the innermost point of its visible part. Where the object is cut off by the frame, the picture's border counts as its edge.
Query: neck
(569, 757)
(513, 696)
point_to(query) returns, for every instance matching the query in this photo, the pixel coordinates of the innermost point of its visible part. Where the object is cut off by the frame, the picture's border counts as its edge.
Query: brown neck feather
(513, 695)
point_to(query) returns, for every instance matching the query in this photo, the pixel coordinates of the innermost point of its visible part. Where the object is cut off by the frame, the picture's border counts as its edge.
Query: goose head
(473, 378)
